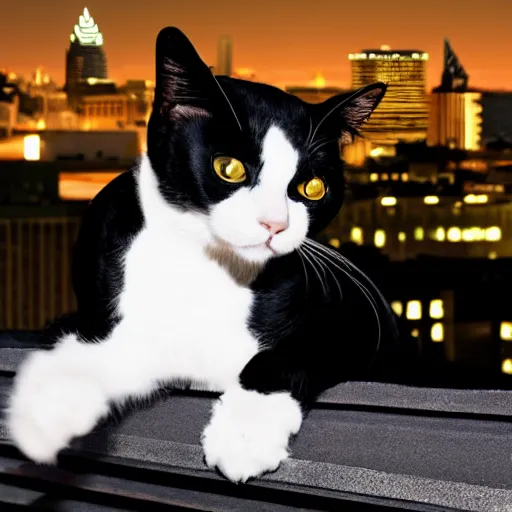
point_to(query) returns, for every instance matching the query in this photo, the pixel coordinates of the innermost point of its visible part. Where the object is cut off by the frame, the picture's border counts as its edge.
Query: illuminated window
(397, 307)
(415, 333)
(384, 176)
(493, 234)
(493, 255)
(402, 236)
(334, 242)
(506, 331)
(437, 332)
(32, 147)
(356, 235)
(405, 177)
(454, 234)
(476, 199)
(436, 308)
(440, 234)
(413, 311)
(388, 201)
(419, 233)
(395, 176)
(379, 238)
(431, 200)
(506, 366)
(374, 176)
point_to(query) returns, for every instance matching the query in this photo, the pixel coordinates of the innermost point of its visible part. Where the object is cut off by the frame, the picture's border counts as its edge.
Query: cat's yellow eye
(313, 189)
(229, 169)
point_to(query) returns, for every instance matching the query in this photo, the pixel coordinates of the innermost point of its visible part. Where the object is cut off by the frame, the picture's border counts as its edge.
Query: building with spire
(455, 109)
(86, 62)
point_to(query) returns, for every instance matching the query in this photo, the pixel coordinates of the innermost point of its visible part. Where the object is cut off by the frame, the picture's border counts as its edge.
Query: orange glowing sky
(284, 41)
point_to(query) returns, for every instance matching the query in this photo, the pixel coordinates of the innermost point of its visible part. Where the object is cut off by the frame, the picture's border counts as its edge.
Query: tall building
(403, 113)
(455, 109)
(224, 56)
(85, 58)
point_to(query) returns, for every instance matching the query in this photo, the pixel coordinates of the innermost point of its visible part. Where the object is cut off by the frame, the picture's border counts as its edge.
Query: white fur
(184, 317)
(249, 432)
(237, 220)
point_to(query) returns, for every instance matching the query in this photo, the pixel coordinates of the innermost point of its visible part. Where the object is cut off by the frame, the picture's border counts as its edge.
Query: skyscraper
(224, 56)
(455, 110)
(85, 58)
(403, 113)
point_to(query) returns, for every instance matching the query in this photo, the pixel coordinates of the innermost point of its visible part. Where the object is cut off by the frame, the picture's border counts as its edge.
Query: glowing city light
(32, 148)
(87, 32)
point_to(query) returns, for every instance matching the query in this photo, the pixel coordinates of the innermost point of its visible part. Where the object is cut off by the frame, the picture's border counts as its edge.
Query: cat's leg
(62, 393)
(252, 423)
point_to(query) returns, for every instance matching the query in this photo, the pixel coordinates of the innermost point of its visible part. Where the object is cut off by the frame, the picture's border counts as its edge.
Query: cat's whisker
(351, 267)
(323, 264)
(313, 266)
(320, 143)
(310, 131)
(299, 252)
(313, 146)
(371, 300)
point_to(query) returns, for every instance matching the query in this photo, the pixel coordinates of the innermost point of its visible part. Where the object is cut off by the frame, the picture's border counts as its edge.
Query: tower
(224, 56)
(85, 57)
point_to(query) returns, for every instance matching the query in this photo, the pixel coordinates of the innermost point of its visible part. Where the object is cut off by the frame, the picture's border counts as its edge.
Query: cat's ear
(182, 78)
(350, 111)
(185, 85)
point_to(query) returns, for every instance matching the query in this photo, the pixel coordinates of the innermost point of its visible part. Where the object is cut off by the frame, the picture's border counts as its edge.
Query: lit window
(388, 201)
(431, 200)
(402, 236)
(384, 176)
(395, 176)
(437, 332)
(436, 308)
(493, 234)
(454, 234)
(506, 331)
(493, 255)
(440, 234)
(413, 310)
(334, 242)
(405, 177)
(419, 234)
(468, 235)
(32, 147)
(380, 238)
(356, 235)
(374, 176)
(506, 366)
(397, 307)
(415, 333)
(476, 199)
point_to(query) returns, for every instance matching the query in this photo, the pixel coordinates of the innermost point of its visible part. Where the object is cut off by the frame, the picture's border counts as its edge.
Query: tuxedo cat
(198, 266)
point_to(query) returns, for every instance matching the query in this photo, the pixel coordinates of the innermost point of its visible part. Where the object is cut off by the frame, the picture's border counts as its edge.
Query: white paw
(248, 433)
(52, 402)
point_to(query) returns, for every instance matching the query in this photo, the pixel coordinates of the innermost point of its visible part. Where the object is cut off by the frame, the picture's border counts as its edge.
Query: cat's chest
(179, 288)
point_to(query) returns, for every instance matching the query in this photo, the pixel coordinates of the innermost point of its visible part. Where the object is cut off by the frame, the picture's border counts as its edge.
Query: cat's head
(260, 167)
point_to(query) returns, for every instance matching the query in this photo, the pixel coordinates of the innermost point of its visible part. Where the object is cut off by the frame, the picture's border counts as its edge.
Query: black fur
(310, 339)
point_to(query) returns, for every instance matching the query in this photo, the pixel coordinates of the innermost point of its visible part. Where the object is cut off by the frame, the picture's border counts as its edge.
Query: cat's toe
(50, 405)
(249, 432)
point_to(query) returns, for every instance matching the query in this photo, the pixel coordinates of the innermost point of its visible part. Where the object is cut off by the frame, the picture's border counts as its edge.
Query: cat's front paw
(249, 432)
(51, 403)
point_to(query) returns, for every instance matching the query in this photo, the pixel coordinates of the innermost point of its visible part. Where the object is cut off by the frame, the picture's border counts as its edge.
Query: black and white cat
(197, 266)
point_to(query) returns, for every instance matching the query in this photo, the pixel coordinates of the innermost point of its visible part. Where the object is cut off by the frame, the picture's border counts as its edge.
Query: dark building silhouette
(86, 62)
(454, 77)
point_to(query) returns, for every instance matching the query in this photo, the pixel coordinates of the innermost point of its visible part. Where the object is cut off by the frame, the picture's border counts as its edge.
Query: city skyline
(300, 42)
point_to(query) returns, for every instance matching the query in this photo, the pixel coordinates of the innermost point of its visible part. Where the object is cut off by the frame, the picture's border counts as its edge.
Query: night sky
(284, 41)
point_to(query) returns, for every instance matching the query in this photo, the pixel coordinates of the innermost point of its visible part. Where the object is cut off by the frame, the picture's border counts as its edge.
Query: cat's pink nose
(274, 227)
